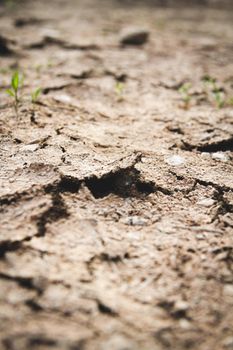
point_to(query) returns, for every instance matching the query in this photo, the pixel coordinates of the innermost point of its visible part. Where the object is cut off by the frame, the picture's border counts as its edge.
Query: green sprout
(16, 83)
(219, 98)
(119, 88)
(35, 95)
(185, 93)
(230, 101)
(38, 68)
(9, 3)
(217, 92)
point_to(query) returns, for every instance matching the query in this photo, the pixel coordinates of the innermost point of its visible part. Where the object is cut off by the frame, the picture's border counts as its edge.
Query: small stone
(181, 305)
(228, 290)
(184, 324)
(63, 98)
(206, 202)
(135, 221)
(200, 236)
(222, 157)
(134, 36)
(117, 342)
(228, 343)
(175, 160)
(30, 147)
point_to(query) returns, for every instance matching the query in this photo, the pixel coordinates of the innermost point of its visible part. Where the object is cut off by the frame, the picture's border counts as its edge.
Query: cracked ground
(116, 229)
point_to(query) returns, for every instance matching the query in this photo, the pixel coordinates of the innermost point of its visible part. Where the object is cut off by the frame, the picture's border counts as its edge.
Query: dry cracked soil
(116, 229)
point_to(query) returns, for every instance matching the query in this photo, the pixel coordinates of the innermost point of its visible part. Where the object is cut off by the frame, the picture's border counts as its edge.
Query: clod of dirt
(4, 46)
(134, 36)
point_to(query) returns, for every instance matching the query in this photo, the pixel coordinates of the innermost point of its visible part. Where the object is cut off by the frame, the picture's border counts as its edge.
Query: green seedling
(219, 98)
(119, 88)
(13, 91)
(217, 92)
(35, 95)
(38, 68)
(16, 83)
(50, 63)
(184, 90)
(230, 101)
(4, 70)
(10, 4)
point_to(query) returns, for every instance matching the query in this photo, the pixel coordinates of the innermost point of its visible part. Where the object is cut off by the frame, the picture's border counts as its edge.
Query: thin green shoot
(230, 101)
(35, 95)
(16, 83)
(184, 90)
(217, 92)
(119, 88)
(219, 98)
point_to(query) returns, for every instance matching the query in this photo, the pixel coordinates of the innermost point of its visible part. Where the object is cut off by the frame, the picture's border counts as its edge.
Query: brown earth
(116, 200)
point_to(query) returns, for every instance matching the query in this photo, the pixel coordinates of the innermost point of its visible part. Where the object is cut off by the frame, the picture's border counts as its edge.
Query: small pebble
(134, 36)
(30, 147)
(228, 343)
(206, 202)
(220, 156)
(200, 236)
(63, 98)
(135, 221)
(228, 290)
(181, 305)
(184, 324)
(175, 160)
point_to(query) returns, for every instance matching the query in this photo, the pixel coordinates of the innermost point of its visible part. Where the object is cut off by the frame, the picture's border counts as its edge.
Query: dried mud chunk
(22, 179)
(134, 36)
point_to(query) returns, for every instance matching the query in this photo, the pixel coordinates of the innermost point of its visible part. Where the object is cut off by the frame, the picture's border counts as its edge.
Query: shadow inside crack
(68, 184)
(221, 146)
(4, 47)
(124, 183)
(56, 212)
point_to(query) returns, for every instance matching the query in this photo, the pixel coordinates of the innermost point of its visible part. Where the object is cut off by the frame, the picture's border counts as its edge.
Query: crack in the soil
(105, 309)
(224, 145)
(31, 341)
(11, 199)
(46, 90)
(49, 41)
(56, 212)
(124, 183)
(220, 146)
(24, 282)
(219, 188)
(9, 246)
(4, 47)
(224, 207)
(33, 305)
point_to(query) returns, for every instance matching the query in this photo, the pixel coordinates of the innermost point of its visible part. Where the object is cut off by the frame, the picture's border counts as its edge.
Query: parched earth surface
(116, 188)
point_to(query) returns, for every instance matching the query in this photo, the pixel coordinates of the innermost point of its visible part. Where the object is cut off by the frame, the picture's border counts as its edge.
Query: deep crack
(221, 146)
(124, 183)
(56, 212)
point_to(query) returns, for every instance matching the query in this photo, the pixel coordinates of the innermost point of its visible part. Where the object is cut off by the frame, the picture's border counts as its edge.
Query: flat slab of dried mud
(116, 201)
